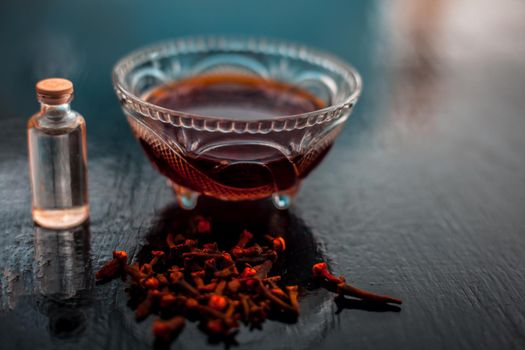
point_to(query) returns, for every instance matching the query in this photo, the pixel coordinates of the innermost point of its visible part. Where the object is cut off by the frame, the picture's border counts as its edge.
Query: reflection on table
(63, 278)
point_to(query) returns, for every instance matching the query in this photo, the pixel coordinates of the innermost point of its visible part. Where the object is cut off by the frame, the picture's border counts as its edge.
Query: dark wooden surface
(422, 197)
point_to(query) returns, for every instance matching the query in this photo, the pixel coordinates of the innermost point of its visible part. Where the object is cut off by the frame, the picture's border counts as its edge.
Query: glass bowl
(237, 157)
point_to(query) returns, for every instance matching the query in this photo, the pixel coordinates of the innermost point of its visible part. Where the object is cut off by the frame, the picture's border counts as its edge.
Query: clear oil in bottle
(58, 158)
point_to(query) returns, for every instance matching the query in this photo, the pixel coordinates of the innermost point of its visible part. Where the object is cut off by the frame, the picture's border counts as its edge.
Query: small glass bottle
(57, 158)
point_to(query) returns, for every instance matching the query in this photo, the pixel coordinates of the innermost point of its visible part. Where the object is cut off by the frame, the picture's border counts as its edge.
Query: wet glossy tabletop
(422, 197)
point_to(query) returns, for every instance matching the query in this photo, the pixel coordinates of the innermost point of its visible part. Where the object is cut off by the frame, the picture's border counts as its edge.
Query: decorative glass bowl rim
(234, 44)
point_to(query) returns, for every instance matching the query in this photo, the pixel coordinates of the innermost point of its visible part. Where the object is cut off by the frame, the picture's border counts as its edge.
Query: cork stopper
(54, 91)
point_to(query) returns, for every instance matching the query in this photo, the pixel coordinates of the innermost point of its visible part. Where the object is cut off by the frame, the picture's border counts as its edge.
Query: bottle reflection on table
(63, 279)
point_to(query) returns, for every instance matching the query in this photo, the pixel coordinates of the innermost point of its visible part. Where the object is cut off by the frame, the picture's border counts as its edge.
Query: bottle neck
(55, 112)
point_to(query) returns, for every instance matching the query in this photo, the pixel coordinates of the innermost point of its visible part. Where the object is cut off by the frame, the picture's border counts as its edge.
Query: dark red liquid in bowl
(232, 166)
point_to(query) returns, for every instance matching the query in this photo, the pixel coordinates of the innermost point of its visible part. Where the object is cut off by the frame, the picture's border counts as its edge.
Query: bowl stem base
(186, 198)
(283, 200)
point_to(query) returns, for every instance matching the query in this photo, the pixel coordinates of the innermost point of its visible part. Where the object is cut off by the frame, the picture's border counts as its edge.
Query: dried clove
(167, 330)
(346, 289)
(227, 272)
(273, 298)
(145, 308)
(114, 267)
(292, 295)
(320, 270)
(217, 302)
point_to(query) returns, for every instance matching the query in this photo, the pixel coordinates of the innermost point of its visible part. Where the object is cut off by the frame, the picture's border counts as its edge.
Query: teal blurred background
(81, 40)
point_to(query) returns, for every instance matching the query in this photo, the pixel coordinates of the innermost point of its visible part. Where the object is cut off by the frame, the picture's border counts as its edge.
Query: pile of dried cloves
(190, 278)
